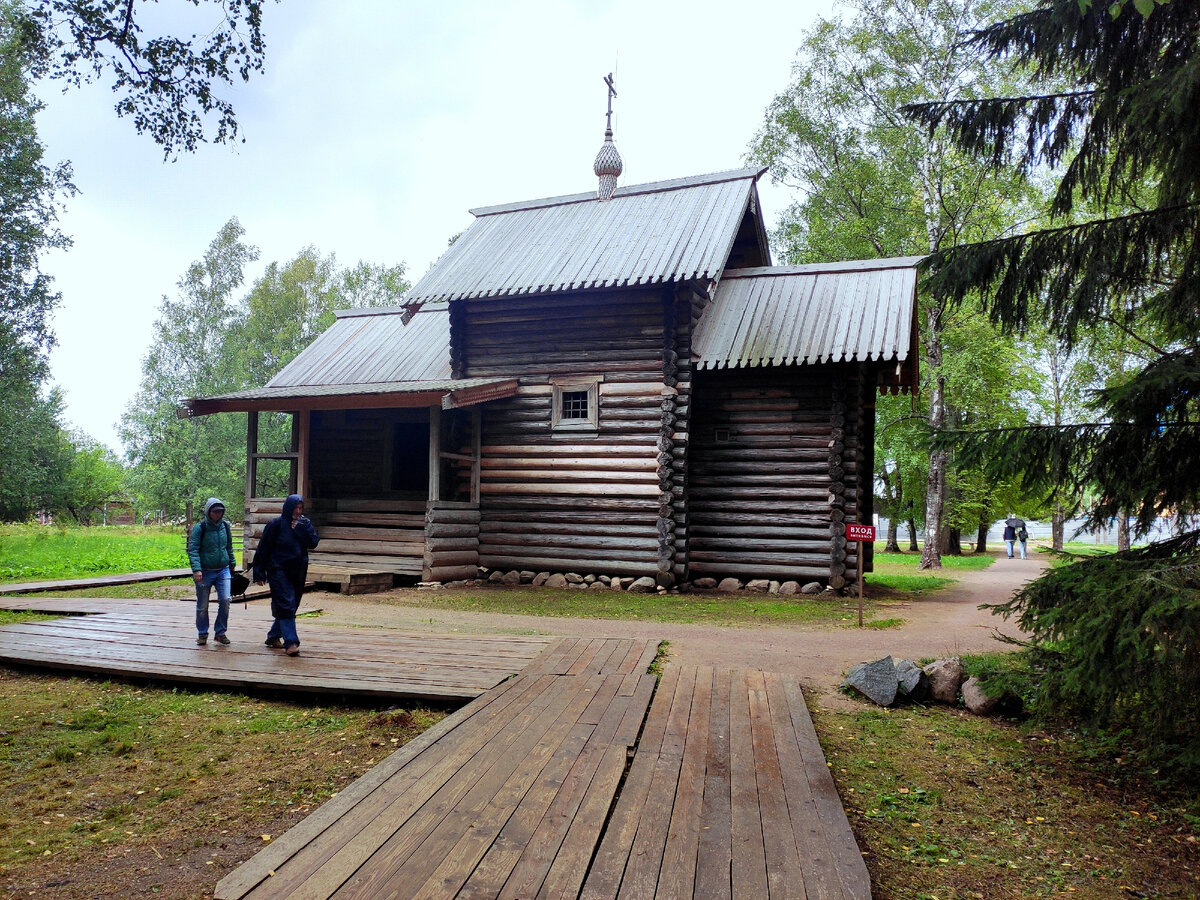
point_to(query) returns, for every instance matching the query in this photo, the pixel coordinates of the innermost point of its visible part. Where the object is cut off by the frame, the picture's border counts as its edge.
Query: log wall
(574, 500)
(775, 472)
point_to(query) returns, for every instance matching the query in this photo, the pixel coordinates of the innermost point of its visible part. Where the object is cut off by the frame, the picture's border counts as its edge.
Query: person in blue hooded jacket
(281, 560)
(210, 552)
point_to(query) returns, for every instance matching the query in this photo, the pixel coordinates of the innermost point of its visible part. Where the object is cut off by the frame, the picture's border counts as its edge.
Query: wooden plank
(333, 856)
(646, 853)
(715, 854)
(848, 861)
(246, 876)
(785, 877)
(678, 875)
(819, 872)
(604, 879)
(748, 872)
(71, 584)
(465, 793)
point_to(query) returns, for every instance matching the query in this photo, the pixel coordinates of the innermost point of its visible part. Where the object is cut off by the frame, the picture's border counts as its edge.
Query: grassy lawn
(119, 790)
(41, 552)
(898, 571)
(951, 806)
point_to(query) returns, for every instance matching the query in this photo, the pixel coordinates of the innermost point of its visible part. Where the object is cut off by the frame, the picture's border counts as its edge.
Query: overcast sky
(376, 126)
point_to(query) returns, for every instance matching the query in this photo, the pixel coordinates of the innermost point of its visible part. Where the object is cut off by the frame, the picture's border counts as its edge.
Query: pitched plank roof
(367, 357)
(646, 234)
(785, 315)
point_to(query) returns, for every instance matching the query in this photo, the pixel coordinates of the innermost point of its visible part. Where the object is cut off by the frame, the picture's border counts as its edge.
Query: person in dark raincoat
(281, 560)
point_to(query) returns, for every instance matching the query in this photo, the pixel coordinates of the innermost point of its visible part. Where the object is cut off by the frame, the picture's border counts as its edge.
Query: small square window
(576, 402)
(575, 405)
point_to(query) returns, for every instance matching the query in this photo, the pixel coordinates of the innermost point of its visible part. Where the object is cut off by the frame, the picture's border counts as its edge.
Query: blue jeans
(219, 578)
(285, 630)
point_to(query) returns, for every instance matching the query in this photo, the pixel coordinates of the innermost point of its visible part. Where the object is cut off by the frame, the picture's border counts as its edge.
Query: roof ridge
(850, 265)
(651, 187)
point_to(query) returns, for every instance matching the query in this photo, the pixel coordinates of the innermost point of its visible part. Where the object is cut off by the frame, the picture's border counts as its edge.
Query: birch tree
(870, 184)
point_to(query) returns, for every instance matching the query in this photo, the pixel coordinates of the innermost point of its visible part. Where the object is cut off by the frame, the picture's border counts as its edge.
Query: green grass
(39, 552)
(693, 608)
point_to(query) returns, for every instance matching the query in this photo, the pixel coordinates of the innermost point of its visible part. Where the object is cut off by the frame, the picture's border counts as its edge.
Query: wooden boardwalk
(581, 777)
(159, 642)
(529, 792)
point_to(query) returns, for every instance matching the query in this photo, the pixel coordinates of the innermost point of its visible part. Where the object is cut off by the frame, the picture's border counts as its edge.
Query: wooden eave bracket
(470, 396)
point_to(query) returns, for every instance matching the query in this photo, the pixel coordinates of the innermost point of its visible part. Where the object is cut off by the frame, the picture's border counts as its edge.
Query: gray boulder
(644, 585)
(975, 700)
(913, 683)
(875, 680)
(945, 678)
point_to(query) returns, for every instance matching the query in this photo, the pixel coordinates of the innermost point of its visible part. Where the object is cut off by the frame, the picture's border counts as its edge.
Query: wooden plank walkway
(70, 584)
(159, 641)
(528, 792)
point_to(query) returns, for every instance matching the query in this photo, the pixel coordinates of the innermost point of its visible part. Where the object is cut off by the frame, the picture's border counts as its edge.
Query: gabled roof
(367, 357)
(785, 315)
(646, 234)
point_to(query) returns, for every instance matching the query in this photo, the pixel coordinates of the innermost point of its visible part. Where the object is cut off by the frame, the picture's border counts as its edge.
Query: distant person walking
(1010, 536)
(282, 561)
(210, 552)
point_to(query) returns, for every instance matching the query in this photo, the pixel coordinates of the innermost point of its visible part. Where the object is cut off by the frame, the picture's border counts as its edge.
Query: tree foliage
(872, 184)
(1117, 123)
(212, 339)
(166, 83)
(1118, 641)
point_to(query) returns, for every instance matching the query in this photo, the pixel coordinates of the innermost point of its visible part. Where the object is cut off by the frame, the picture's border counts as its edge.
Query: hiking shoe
(221, 639)
(292, 650)
(273, 643)
(202, 640)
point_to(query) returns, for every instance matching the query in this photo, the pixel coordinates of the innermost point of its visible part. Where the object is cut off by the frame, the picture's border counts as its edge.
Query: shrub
(1117, 640)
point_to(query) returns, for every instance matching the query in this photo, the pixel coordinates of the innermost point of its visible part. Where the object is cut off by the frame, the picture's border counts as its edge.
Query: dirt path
(944, 624)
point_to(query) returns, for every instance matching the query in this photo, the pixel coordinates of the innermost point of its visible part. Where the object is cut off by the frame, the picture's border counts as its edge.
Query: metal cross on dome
(612, 92)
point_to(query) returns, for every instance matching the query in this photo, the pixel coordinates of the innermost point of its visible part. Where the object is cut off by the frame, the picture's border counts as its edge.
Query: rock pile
(888, 683)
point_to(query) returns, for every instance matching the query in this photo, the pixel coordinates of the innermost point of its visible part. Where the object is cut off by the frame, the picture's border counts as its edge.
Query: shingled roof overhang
(832, 312)
(666, 231)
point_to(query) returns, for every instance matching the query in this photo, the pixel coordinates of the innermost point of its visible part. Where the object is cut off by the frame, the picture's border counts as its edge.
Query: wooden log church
(617, 383)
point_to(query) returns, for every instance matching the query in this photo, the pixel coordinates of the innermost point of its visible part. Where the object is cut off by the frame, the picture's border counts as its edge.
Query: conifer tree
(1116, 121)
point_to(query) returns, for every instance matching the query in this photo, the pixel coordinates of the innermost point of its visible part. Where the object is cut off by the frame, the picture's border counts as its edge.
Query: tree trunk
(893, 531)
(1058, 521)
(1122, 530)
(931, 557)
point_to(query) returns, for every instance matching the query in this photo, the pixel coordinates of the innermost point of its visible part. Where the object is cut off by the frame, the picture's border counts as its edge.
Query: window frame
(580, 383)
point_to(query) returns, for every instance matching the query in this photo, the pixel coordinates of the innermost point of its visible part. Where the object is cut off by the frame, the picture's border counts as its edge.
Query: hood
(290, 504)
(210, 503)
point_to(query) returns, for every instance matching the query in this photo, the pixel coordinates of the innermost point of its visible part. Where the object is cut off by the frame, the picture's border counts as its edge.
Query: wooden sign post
(860, 534)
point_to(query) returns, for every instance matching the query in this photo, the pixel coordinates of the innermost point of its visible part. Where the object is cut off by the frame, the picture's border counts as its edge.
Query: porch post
(300, 429)
(435, 454)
